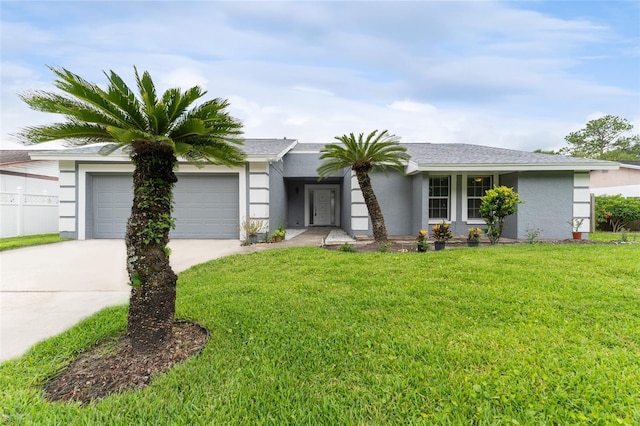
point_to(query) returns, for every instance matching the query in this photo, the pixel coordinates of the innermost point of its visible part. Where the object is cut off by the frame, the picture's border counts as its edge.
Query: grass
(614, 236)
(29, 240)
(531, 334)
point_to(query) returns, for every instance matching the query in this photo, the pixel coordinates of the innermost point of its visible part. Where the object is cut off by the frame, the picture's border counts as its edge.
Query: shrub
(347, 248)
(532, 234)
(385, 248)
(497, 204)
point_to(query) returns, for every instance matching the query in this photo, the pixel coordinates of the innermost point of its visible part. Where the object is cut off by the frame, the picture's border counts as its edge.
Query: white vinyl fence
(27, 214)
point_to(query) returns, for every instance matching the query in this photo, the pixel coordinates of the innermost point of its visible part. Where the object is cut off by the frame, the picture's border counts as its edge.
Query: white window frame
(452, 198)
(465, 198)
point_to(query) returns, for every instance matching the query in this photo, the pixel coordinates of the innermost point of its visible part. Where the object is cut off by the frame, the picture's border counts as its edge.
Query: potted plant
(423, 244)
(575, 224)
(251, 228)
(279, 234)
(441, 233)
(473, 239)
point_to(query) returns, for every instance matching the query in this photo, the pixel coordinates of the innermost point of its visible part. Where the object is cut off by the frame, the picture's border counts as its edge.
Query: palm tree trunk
(375, 212)
(153, 293)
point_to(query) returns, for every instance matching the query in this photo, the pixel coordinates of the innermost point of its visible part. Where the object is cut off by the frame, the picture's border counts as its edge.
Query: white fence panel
(27, 214)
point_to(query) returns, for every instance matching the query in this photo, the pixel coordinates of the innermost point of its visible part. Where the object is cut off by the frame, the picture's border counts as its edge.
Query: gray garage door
(206, 206)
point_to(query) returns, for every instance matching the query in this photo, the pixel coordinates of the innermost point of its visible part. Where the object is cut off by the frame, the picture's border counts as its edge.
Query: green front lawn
(29, 240)
(530, 334)
(614, 236)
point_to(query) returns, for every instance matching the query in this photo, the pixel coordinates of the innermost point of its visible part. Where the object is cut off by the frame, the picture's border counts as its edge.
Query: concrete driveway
(46, 289)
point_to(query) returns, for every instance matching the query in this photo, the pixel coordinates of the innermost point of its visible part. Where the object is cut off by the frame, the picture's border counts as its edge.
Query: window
(476, 188)
(439, 197)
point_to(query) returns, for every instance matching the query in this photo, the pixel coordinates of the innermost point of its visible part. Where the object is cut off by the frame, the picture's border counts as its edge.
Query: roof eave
(119, 158)
(516, 167)
(286, 150)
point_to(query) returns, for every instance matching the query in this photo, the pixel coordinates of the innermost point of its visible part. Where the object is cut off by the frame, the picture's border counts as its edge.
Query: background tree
(605, 138)
(495, 206)
(617, 211)
(362, 155)
(546, 151)
(155, 130)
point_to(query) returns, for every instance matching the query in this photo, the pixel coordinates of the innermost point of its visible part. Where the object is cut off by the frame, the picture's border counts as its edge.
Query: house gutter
(511, 167)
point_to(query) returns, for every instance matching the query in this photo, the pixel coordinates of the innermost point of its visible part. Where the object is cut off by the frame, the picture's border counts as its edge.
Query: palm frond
(219, 153)
(110, 148)
(376, 150)
(120, 94)
(204, 133)
(72, 109)
(188, 128)
(128, 135)
(88, 93)
(80, 133)
(147, 90)
(177, 102)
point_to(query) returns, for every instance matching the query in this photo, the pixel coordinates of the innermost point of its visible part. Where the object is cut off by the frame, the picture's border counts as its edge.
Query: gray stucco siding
(548, 204)
(277, 197)
(395, 196)
(511, 230)
(302, 165)
(420, 203)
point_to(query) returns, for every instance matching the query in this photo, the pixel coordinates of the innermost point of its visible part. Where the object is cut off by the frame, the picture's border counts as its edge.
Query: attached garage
(206, 206)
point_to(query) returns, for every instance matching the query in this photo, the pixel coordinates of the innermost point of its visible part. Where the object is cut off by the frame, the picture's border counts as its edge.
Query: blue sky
(512, 74)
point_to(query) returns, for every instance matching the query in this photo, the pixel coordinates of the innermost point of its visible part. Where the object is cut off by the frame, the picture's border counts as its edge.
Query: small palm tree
(377, 151)
(155, 131)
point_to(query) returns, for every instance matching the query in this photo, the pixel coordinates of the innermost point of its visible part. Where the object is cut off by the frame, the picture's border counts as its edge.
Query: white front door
(322, 207)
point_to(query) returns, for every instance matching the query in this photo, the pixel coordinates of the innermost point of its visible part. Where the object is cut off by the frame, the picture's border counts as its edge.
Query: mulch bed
(408, 245)
(112, 367)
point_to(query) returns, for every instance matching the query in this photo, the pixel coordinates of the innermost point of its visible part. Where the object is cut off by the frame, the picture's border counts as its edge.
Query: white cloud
(478, 72)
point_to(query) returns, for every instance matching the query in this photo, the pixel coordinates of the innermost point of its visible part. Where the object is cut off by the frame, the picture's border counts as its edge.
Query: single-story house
(624, 181)
(28, 194)
(279, 184)
(18, 170)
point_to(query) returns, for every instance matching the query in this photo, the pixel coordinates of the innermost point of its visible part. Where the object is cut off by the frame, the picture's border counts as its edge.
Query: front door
(322, 207)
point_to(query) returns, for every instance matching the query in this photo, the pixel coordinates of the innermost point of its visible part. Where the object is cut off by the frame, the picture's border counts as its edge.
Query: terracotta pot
(277, 238)
(577, 235)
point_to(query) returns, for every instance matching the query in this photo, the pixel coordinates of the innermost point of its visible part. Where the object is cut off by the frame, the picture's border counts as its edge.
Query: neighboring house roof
(12, 157)
(630, 164)
(19, 163)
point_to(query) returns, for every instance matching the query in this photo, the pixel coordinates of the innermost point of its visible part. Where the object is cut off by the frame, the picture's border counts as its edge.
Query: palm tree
(154, 131)
(377, 151)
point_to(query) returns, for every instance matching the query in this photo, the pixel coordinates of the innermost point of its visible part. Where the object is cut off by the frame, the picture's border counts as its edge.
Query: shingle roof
(424, 156)
(9, 156)
(251, 147)
(308, 147)
(270, 147)
(460, 153)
